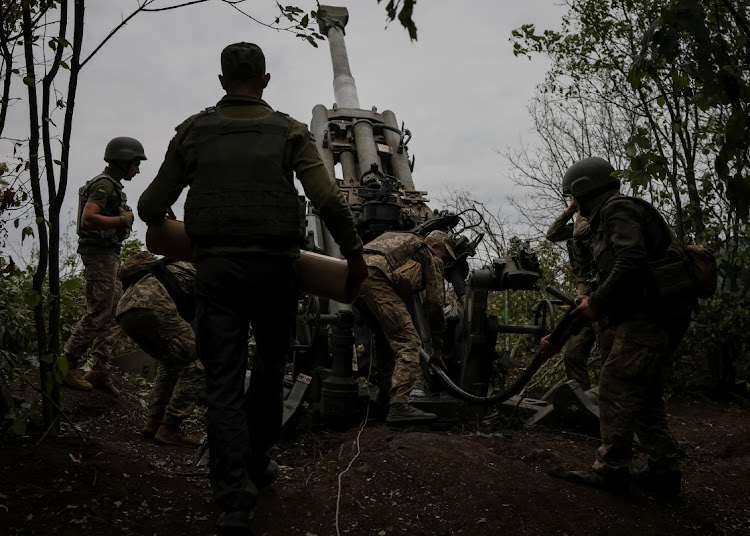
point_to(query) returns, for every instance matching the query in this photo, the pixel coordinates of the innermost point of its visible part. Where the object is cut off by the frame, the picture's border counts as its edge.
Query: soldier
(399, 265)
(155, 311)
(104, 221)
(242, 215)
(578, 241)
(645, 315)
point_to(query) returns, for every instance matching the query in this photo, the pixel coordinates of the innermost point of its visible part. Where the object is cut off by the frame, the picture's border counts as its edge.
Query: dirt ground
(374, 480)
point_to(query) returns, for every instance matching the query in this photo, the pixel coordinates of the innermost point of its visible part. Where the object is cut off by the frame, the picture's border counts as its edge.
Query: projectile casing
(317, 274)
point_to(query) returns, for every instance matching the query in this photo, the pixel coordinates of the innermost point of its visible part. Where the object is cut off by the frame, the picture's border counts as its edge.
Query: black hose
(558, 336)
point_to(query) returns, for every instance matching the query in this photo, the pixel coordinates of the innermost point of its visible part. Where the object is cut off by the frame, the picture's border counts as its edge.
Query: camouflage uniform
(577, 350)
(644, 330)
(398, 343)
(100, 253)
(148, 314)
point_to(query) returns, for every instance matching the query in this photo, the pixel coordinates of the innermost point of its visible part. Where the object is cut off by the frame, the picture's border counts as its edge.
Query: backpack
(698, 261)
(703, 269)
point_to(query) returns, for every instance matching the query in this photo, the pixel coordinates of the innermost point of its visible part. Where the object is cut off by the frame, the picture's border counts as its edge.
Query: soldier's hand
(549, 349)
(126, 216)
(583, 310)
(437, 358)
(357, 274)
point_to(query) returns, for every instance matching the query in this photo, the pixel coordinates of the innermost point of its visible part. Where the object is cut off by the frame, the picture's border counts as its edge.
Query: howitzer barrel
(344, 87)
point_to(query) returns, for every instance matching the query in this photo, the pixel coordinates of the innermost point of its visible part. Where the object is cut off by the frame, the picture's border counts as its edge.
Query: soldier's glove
(126, 218)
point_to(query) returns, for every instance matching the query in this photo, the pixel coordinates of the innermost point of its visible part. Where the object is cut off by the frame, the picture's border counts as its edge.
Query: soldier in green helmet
(577, 237)
(104, 222)
(642, 303)
(242, 215)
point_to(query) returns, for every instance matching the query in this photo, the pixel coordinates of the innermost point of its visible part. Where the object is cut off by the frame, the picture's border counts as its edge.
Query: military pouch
(407, 278)
(671, 276)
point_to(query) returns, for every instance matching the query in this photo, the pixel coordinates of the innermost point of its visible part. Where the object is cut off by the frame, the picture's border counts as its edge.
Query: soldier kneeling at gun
(155, 311)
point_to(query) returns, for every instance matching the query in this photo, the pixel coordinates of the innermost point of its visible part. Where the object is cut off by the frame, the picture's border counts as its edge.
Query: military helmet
(124, 149)
(593, 174)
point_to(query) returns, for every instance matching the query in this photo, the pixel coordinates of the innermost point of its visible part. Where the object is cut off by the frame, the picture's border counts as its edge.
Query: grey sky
(459, 89)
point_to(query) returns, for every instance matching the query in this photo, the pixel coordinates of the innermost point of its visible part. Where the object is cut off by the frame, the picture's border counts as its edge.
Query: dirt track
(375, 481)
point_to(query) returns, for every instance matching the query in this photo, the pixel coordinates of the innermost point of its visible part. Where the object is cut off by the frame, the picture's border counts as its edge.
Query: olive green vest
(241, 194)
(105, 240)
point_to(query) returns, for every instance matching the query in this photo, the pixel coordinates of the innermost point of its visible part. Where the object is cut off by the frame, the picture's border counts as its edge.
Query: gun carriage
(366, 153)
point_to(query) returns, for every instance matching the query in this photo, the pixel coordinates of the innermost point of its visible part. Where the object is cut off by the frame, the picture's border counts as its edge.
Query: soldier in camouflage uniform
(401, 264)
(243, 217)
(578, 241)
(645, 314)
(104, 221)
(155, 311)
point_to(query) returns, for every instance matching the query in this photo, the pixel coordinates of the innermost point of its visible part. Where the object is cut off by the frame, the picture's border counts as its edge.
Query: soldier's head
(134, 264)
(124, 155)
(587, 179)
(243, 70)
(442, 245)
(597, 170)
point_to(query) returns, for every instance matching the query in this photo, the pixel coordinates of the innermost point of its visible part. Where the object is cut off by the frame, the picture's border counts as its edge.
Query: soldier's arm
(561, 229)
(621, 221)
(434, 295)
(323, 193)
(93, 217)
(173, 176)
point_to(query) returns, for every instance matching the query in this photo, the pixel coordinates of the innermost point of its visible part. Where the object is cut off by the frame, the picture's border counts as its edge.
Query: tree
(671, 145)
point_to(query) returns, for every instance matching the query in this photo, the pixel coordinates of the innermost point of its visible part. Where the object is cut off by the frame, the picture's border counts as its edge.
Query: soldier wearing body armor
(400, 265)
(643, 313)
(155, 311)
(242, 215)
(577, 237)
(104, 222)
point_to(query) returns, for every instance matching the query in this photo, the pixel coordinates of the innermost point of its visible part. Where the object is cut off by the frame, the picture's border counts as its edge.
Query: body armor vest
(104, 237)
(241, 194)
(397, 248)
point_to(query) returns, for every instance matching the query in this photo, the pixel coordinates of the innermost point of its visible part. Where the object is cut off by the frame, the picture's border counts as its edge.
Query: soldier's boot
(100, 378)
(659, 480)
(264, 478)
(234, 523)
(75, 380)
(615, 481)
(151, 427)
(404, 413)
(171, 434)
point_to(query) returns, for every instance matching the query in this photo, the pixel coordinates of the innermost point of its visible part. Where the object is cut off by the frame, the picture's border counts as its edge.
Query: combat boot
(100, 378)
(234, 523)
(151, 427)
(171, 434)
(665, 482)
(615, 481)
(266, 477)
(76, 380)
(404, 413)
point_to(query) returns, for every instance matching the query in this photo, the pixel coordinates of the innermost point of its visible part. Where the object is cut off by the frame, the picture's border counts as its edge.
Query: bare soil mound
(374, 480)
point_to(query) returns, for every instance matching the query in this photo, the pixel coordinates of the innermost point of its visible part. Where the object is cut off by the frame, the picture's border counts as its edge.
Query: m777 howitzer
(369, 150)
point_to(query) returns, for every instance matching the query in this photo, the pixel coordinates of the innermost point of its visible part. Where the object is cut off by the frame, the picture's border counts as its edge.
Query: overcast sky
(458, 88)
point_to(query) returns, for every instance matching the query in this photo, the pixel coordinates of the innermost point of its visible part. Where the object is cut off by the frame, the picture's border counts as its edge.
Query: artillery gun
(369, 151)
